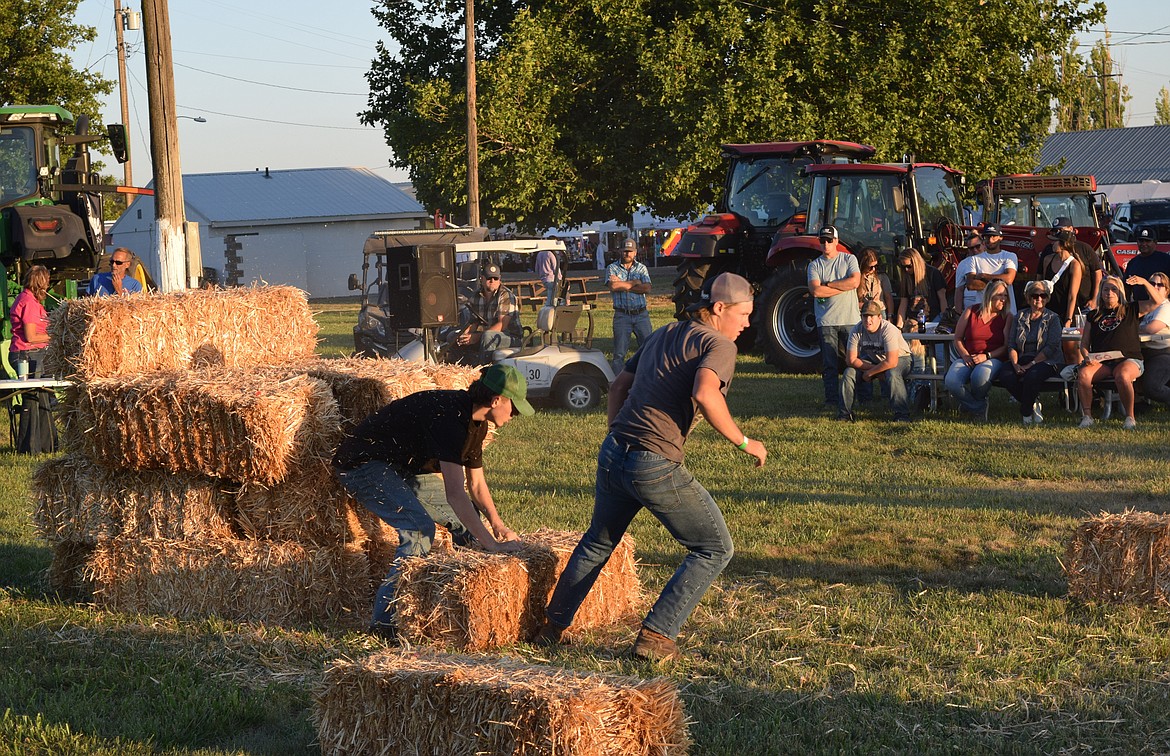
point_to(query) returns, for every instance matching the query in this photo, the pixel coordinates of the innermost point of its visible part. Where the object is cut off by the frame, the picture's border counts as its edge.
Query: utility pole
(169, 212)
(472, 135)
(119, 22)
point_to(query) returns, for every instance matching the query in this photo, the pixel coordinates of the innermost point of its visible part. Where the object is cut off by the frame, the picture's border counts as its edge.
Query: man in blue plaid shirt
(495, 318)
(629, 280)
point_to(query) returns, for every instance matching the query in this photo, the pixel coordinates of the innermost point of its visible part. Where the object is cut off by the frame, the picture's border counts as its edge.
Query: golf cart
(414, 290)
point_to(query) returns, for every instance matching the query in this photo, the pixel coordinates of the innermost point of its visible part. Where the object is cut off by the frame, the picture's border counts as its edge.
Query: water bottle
(922, 321)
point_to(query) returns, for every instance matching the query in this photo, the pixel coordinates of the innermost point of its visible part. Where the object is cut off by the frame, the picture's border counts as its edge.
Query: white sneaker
(1086, 422)
(1129, 424)
(1036, 416)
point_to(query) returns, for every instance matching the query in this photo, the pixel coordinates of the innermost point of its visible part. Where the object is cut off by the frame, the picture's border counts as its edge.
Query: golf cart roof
(511, 246)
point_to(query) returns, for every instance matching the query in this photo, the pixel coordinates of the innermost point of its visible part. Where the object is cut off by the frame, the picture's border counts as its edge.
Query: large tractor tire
(787, 325)
(692, 272)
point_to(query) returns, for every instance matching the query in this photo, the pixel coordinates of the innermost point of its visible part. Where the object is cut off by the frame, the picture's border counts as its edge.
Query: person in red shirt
(30, 324)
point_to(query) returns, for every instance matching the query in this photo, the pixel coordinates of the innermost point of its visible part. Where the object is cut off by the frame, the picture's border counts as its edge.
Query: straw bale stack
(1121, 557)
(362, 386)
(277, 582)
(392, 702)
(103, 337)
(309, 506)
(82, 502)
(475, 601)
(240, 425)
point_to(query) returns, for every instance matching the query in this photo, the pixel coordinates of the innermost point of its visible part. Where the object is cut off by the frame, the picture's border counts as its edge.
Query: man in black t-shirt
(391, 464)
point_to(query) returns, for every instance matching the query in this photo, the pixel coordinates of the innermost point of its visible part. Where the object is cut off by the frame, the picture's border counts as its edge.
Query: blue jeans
(411, 504)
(490, 341)
(893, 379)
(623, 325)
(627, 481)
(833, 341)
(971, 385)
(28, 363)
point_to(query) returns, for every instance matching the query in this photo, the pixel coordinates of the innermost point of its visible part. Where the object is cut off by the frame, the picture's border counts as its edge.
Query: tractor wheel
(692, 272)
(787, 325)
(577, 392)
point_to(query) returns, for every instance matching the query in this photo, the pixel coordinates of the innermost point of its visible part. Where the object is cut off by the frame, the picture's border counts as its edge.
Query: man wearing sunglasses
(118, 280)
(985, 262)
(495, 318)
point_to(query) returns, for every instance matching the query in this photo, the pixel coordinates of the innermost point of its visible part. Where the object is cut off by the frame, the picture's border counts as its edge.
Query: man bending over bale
(390, 464)
(683, 367)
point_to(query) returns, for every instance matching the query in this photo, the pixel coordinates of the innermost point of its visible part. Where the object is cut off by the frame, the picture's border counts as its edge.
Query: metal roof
(295, 194)
(1115, 156)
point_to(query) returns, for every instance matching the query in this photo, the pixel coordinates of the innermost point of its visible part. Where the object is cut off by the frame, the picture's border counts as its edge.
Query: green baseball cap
(506, 381)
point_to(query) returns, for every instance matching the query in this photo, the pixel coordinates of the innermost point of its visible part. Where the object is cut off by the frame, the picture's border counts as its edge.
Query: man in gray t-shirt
(877, 351)
(833, 279)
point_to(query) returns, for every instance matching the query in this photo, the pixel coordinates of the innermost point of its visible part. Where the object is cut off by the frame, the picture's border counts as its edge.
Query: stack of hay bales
(1121, 558)
(420, 703)
(196, 480)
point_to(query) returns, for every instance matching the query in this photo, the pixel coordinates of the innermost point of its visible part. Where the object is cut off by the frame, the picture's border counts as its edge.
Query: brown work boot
(655, 647)
(548, 635)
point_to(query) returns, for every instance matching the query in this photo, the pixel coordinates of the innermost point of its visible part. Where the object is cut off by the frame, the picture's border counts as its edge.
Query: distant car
(1128, 217)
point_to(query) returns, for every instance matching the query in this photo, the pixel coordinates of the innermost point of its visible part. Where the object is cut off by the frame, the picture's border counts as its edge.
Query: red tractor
(889, 207)
(765, 196)
(1025, 206)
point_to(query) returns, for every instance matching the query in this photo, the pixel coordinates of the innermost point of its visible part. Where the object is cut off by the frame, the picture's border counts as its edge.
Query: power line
(266, 60)
(282, 123)
(274, 86)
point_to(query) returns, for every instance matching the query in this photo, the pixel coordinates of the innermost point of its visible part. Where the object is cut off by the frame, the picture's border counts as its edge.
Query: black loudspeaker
(420, 286)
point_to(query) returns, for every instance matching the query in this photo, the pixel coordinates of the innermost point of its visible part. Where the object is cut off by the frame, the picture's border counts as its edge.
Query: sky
(280, 81)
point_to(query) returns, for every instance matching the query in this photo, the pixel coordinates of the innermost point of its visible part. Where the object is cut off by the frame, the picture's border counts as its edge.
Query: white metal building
(301, 227)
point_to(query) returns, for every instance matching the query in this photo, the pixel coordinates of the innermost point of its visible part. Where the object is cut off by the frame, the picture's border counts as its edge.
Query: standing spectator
(118, 280)
(419, 461)
(1034, 352)
(495, 318)
(874, 286)
(986, 263)
(877, 351)
(1149, 261)
(1156, 320)
(923, 287)
(981, 344)
(684, 367)
(602, 250)
(548, 270)
(629, 280)
(1113, 327)
(832, 280)
(30, 324)
(1064, 273)
(1089, 259)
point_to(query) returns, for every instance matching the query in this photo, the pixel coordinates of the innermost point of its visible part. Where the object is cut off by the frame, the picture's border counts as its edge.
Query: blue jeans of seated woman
(411, 504)
(971, 385)
(27, 363)
(627, 481)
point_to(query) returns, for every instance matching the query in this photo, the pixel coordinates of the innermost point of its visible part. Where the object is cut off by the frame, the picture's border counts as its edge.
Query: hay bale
(363, 386)
(392, 702)
(1121, 557)
(276, 582)
(238, 426)
(81, 502)
(309, 506)
(474, 601)
(103, 337)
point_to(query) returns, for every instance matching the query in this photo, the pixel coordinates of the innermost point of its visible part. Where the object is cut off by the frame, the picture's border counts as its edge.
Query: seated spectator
(119, 280)
(1034, 352)
(876, 350)
(1155, 320)
(495, 318)
(874, 286)
(923, 287)
(981, 345)
(1110, 348)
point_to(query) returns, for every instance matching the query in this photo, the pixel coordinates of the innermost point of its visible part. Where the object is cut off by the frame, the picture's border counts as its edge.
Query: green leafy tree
(34, 65)
(1090, 96)
(1162, 108)
(590, 108)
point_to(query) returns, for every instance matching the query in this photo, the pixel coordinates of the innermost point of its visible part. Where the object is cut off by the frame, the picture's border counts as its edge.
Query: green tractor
(50, 200)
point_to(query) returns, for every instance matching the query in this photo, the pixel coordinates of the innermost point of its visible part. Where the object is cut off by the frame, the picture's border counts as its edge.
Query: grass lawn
(896, 588)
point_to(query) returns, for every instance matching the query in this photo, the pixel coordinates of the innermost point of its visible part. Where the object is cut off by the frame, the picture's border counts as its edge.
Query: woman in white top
(1155, 320)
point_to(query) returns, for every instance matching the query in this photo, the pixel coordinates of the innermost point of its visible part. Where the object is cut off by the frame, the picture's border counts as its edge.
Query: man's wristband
(744, 445)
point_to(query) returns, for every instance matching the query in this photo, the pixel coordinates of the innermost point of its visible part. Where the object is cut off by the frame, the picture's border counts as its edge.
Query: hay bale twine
(393, 702)
(1121, 558)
